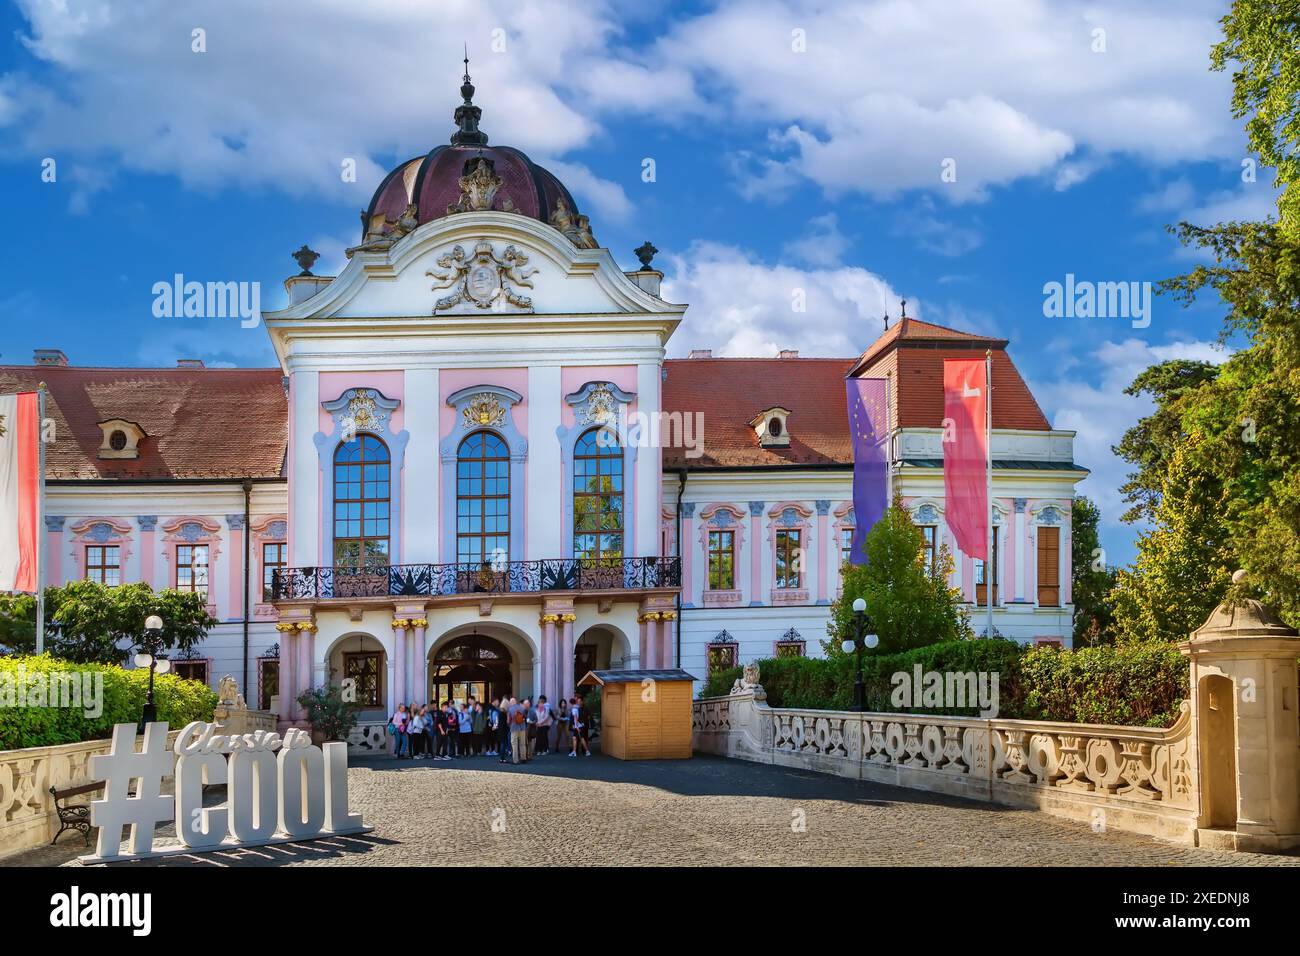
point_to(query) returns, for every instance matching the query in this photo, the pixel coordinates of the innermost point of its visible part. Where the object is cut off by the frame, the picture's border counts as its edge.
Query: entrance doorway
(1219, 751)
(471, 666)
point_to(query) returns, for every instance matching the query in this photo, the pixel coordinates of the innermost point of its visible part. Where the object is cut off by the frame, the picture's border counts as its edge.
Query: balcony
(450, 580)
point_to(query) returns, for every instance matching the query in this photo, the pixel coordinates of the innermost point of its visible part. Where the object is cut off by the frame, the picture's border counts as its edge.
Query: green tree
(91, 623)
(1261, 40)
(909, 605)
(1092, 579)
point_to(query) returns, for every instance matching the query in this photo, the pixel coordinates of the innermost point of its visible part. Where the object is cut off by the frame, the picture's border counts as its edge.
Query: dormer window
(121, 439)
(772, 428)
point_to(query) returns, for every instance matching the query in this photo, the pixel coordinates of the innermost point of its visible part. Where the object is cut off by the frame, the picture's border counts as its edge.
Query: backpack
(519, 717)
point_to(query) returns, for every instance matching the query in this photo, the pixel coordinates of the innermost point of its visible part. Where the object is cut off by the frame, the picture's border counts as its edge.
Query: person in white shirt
(416, 730)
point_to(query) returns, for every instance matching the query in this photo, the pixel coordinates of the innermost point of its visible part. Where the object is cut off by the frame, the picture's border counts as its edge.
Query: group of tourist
(512, 730)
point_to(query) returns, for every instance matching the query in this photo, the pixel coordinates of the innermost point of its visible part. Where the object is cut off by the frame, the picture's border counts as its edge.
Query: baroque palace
(474, 471)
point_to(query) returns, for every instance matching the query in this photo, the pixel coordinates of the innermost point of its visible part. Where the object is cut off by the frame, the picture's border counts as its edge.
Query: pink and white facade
(457, 487)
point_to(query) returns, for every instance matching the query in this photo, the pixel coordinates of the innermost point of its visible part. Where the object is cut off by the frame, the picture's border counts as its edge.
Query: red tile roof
(732, 391)
(199, 423)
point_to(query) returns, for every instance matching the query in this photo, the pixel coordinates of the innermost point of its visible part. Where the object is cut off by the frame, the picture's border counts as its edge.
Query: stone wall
(1136, 779)
(27, 816)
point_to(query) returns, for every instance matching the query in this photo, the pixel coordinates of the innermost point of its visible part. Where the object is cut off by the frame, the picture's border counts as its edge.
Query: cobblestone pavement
(704, 811)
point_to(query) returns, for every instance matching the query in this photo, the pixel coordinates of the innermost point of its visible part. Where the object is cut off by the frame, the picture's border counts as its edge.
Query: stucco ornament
(481, 278)
(478, 187)
(601, 407)
(364, 413)
(483, 411)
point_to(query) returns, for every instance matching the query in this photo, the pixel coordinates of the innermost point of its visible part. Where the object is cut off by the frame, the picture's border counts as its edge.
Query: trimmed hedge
(178, 701)
(1135, 686)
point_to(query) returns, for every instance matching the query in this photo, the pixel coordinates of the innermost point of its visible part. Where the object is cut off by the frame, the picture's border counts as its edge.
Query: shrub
(1134, 686)
(1138, 685)
(178, 701)
(327, 712)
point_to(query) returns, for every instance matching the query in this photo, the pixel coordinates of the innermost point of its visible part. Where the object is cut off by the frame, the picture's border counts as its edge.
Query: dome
(468, 175)
(1242, 617)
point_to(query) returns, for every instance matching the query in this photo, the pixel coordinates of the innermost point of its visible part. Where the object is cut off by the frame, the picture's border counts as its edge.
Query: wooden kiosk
(644, 715)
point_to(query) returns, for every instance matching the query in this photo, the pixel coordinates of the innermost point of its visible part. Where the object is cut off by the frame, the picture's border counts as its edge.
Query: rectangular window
(789, 558)
(192, 569)
(191, 670)
(362, 668)
(268, 681)
(274, 555)
(722, 657)
(846, 545)
(930, 533)
(103, 564)
(1049, 567)
(722, 560)
(981, 592)
(791, 648)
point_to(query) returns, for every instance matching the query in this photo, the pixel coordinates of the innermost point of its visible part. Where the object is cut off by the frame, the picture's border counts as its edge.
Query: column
(399, 661)
(306, 644)
(566, 659)
(288, 686)
(652, 640)
(686, 551)
(420, 506)
(1016, 539)
(667, 628)
(237, 531)
(755, 553)
(54, 550)
(1067, 563)
(648, 484)
(304, 470)
(420, 673)
(546, 679)
(545, 518)
(148, 549)
(823, 543)
(643, 653)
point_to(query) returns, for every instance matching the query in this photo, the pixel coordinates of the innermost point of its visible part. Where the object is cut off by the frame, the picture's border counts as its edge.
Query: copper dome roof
(468, 175)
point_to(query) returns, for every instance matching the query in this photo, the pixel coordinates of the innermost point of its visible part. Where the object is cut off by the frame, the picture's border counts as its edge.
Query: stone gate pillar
(1247, 729)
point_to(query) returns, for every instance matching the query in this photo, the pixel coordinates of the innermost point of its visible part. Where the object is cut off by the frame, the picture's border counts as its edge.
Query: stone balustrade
(1127, 778)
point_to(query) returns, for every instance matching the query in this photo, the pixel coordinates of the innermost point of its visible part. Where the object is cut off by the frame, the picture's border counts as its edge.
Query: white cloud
(885, 91)
(742, 306)
(823, 243)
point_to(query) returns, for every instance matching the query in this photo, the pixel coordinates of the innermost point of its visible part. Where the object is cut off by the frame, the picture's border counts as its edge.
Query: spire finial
(903, 306)
(886, 320)
(467, 114)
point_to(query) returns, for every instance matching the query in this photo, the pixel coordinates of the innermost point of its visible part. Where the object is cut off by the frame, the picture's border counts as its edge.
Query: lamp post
(148, 657)
(859, 639)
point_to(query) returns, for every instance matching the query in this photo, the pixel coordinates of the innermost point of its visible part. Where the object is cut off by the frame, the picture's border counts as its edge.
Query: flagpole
(990, 570)
(40, 518)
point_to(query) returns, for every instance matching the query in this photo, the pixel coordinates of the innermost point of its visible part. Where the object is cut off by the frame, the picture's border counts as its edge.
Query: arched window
(361, 503)
(598, 496)
(483, 499)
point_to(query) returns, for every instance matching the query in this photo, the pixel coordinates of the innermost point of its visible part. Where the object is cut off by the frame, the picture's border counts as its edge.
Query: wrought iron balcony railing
(513, 577)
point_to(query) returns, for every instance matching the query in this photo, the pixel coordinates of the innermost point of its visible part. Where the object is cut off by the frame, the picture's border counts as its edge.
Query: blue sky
(795, 146)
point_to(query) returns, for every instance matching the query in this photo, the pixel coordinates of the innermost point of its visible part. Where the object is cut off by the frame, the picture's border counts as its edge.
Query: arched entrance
(601, 647)
(472, 665)
(359, 663)
(1218, 746)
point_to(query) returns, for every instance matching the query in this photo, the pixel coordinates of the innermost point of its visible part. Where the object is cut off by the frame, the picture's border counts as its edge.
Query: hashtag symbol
(148, 806)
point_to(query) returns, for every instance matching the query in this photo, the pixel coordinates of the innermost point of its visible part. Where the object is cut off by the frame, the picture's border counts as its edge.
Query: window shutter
(1049, 565)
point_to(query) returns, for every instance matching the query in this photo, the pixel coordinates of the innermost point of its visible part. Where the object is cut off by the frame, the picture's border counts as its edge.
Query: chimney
(701, 353)
(50, 357)
(190, 363)
(788, 353)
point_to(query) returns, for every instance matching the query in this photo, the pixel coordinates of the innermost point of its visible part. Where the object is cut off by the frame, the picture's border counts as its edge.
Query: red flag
(965, 454)
(19, 490)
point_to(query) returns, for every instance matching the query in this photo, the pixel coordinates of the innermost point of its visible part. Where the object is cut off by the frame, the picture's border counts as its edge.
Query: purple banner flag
(869, 429)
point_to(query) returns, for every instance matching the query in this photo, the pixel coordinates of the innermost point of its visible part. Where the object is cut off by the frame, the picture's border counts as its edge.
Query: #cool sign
(278, 789)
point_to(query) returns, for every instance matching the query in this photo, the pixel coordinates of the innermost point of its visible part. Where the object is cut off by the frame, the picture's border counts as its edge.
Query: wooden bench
(75, 816)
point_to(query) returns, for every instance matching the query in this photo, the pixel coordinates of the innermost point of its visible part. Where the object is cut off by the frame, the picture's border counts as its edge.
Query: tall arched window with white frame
(362, 499)
(598, 496)
(483, 500)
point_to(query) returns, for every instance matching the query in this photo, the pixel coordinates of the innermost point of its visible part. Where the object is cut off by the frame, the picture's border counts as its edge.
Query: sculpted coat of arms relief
(481, 278)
